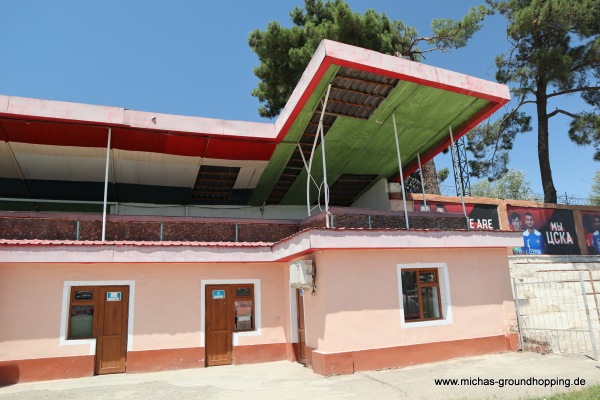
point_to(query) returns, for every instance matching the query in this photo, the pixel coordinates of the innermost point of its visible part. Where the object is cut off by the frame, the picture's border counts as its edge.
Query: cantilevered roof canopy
(57, 150)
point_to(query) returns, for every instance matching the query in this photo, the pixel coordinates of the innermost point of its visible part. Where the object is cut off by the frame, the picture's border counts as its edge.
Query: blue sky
(192, 58)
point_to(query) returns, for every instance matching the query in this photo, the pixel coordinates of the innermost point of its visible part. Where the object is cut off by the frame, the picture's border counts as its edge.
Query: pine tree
(284, 53)
(555, 52)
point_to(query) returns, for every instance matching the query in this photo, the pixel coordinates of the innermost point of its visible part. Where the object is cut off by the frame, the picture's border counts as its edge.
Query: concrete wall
(352, 323)
(356, 314)
(363, 312)
(166, 305)
(551, 302)
(210, 211)
(376, 198)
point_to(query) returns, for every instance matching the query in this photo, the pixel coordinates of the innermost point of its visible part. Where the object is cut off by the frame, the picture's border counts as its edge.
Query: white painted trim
(18, 251)
(257, 307)
(64, 314)
(444, 293)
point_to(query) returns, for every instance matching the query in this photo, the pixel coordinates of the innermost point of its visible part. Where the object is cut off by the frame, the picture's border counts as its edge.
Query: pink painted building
(135, 241)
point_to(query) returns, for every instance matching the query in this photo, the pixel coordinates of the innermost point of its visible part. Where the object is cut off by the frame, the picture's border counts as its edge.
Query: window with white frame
(424, 295)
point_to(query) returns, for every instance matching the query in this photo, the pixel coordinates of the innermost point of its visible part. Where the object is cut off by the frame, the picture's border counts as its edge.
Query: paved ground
(286, 380)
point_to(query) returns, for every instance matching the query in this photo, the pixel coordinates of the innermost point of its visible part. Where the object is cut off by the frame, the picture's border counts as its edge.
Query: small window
(84, 295)
(421, 295)
(243, 308)
(243, 292)
(81, 322)
(82, 316)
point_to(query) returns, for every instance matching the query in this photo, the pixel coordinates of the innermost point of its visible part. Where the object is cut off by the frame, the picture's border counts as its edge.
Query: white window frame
(444, 283)
(64, 316)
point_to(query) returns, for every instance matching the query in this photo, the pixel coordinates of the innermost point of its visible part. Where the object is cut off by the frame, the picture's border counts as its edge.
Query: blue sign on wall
(113, 296)
(218, 294)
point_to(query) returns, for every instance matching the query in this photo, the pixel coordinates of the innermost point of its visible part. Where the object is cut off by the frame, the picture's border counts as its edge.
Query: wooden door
(111, 340)
(219, 325)
(301, 334)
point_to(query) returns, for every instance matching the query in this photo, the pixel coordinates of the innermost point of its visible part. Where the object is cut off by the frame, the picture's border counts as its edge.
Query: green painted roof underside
(357, 146)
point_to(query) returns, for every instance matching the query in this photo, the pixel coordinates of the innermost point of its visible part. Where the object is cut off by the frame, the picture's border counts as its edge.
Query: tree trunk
(543, 144)
(430, 178)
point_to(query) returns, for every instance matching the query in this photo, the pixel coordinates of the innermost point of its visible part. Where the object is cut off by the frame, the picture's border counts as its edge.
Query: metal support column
(309, 167)
(400, 171)
(422, 181)
(587, 314)
(106, 185)
(12, 154)
(455, 165)
(521, 325)
(461, 175)
(325, 184)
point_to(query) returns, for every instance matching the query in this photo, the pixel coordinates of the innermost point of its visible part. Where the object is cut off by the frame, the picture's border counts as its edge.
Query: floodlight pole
(422, 182)
(400, 170)
(455, 165)
(106, 185)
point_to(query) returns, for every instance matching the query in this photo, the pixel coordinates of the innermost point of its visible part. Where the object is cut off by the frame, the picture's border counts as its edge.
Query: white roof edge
(340, 239)
(114, 116)
(61, 110)
(182, 123)
(306, 78)
(416, 70)
(327, 49)
(306, 241)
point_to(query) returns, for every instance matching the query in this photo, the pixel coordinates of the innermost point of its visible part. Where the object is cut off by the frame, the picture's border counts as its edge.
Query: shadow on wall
(9, 374)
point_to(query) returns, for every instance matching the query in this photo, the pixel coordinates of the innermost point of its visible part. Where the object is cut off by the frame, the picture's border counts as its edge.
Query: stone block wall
(89, 229)
(552, 305)
(384, 220)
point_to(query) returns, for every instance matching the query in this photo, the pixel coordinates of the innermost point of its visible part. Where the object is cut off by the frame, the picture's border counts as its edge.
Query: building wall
(166, 312)
(376, 198)
(354, 315)
(352, 323)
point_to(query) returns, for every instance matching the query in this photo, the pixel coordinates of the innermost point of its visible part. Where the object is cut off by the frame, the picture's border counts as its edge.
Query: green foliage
(585, 127)
(442, 174)
(555, 51)
(284, 53)
(511, 185)
(595, 190)
(484, 139)
(589, 393)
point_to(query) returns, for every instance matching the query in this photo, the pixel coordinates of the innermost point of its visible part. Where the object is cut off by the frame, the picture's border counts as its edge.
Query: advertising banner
(481, 216)
(591, 229)
(545, 231)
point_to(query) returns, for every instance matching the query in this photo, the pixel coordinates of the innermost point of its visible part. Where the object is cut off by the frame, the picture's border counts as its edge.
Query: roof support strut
(400, 171)
(309, 177)
(422, 181)
(456, 167)
(106, 185)
(12, 154)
